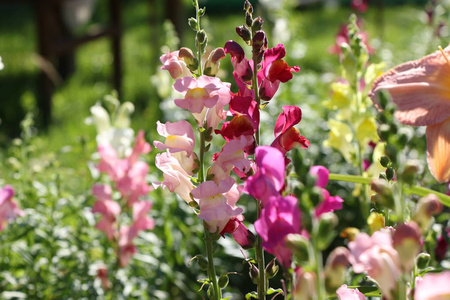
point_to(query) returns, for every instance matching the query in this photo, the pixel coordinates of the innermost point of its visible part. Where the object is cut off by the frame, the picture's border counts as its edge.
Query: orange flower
(421, 91)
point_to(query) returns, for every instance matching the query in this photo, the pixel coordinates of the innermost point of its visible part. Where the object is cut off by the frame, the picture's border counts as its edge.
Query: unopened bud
(272, 268)
(305, 287)
(427, 207)
(384, 194)
(407, 241)
(254, 273)
(410, 171)
(201, 36)
(336, 267)
(385, 161)
(202, 262)
(248, 6)
(390, 173)
(248, 19)
(193, 24)
(257, 24)
(223, 280)
(326, 234)
(423, 260)
(259, 42)
(299, 245)
(244, 33)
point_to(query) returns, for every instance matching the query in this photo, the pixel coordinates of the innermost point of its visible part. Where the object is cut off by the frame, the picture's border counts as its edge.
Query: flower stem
(318, 264)
(216, 293)
(408, 190)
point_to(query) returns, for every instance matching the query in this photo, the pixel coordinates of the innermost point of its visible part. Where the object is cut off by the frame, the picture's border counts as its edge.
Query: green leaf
(271, 291)
(251, 295)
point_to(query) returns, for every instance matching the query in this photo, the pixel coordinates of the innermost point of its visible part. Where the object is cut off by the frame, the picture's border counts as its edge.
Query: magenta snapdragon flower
(8, 207)
(329, 203)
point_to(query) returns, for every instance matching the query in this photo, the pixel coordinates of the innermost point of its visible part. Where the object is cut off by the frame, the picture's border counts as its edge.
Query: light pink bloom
(407, 241)
(344, 293)
(198, 93)
(134, 184)
(140, 147)
(108, 208)
(8, 207)
(433, 286)
(175, 65)
(421, 91)
(217, 202)
(375, 256)
(231, 156)
(269, 178)
(329, 203)
(110, 163)
(179, 137)
(176, 179)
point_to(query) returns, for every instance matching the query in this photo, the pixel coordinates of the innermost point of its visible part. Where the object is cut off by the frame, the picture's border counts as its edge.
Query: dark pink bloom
(241, 234)
(269, 178)
(242, 67)
(279, 217)
(273, 71)
(328, 204)
(441, 249)
(286, 136)
(8, 207)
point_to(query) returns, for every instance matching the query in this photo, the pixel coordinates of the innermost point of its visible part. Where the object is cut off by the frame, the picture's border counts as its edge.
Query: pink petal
(420, 89)
(438, 149)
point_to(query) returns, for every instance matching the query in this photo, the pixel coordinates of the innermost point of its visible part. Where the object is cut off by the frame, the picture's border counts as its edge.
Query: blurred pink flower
(329, 203)
(421, 91)
(8, 207)
(433, 286)
(108, 208)
(376, 256)
(279, 217)
(360, 5)
(269, 178)
(175, 65)
(344, 293)
(217, 202)
(407, 241)
(342, 38)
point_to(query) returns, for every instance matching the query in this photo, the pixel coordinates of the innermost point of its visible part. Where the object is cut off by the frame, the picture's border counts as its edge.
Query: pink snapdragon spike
(134, 184)
(269, 178)
(433, 286)
(175, 65)
(198, 93)
(342, 37)
(344, 293)
(217, 202)
(329, 203)
(286, 136)
(279, 217)
(176, 178)
(110, 163)
(108, 208)
(376, 256)
(421, 91)
(8, 207)
(179, 137)
(273, 71)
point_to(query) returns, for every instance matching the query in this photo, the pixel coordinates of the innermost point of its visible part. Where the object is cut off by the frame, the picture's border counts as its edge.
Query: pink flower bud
(407, 241)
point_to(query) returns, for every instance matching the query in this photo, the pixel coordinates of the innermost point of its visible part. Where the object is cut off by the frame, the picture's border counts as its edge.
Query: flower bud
(189, 58)
(201, 37)
(248, 19)
(385, 161)
(193, 24)
(248, 6)
(244, 33)
(426, 208)
(272, 268)
(384, 194)
(223, 281)
(326, 234)
(305, 287)
(410, 171)
(257, 24)
(202, 262)
(423, 260)
(335, 268)
(254, 273)
(406, 240)
(390, 173)
(300, 246)
(259, 42)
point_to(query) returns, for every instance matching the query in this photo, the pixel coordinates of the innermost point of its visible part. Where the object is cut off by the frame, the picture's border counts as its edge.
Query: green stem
(216, 293)
(199, 47)
(318, 265)
(262, 281)
(416, 190)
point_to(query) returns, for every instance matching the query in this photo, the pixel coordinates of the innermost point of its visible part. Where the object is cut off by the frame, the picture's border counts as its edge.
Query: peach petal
(438, 149)
(420, 89)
